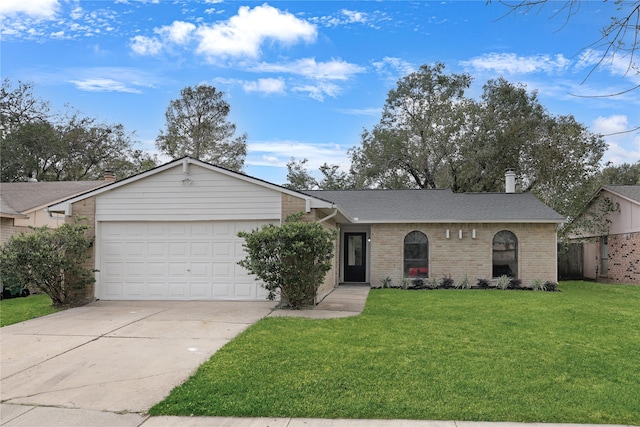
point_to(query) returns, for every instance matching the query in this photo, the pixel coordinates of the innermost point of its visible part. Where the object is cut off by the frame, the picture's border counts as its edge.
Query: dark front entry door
(355, 256)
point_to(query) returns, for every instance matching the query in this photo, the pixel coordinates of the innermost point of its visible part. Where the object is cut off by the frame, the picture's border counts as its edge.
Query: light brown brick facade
(86, 209)
(455, 257)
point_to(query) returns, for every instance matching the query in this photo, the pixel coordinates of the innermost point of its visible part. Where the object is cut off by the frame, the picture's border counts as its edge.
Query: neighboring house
(171, 233)
(611, 251)
(24, 204)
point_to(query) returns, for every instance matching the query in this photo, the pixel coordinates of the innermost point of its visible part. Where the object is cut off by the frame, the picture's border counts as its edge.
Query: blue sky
(305, 77)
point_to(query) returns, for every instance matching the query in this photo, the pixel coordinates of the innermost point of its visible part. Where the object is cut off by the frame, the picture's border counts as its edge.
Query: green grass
(570, 357)
(20, 309)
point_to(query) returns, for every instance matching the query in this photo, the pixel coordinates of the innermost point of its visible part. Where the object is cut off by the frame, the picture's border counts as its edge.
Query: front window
(416, 255)
(505, 254)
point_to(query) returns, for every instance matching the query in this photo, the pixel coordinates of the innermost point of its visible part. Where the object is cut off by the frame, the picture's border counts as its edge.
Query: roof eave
(461, 221)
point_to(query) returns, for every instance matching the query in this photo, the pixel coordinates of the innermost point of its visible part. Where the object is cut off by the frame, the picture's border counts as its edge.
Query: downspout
(331, 215)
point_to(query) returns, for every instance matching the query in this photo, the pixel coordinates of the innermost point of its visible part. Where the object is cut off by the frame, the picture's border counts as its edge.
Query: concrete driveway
(115, 356)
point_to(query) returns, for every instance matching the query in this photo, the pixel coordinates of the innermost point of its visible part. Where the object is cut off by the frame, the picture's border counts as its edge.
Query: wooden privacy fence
(570, 261)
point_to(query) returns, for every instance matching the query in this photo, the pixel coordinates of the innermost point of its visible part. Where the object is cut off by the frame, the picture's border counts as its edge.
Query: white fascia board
(457, 221)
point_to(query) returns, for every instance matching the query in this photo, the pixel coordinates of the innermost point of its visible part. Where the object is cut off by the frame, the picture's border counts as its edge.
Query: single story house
(611, 252)
(171, 233)
(24, 204)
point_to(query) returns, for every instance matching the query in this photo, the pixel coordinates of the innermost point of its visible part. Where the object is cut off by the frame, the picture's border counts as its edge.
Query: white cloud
(41, 9)
(354, 16)
(336, 69)
(106, 79)
(392, 68)
(76, 13)
(243, 34)
(610, 125)
(622, 146)
(278, 153)
(511, 63)
(178, 32)
(267, 86)
(143, 45)
(374, 112)
(103, 85)
(346, 17)
(319, 91)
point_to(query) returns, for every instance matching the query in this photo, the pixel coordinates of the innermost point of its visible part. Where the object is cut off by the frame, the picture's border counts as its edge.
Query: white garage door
(174, 261)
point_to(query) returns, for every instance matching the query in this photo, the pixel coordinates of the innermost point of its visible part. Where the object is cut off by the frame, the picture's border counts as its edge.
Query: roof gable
(185, 164)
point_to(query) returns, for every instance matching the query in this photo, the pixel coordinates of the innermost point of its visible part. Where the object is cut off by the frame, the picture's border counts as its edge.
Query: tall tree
(420, 124)
(299, 178)
(197, 126)
(624, 174)
(35, 143)
(466, 145)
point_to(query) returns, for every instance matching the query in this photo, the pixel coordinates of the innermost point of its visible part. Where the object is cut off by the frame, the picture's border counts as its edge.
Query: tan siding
(456, 257)
(211, 196)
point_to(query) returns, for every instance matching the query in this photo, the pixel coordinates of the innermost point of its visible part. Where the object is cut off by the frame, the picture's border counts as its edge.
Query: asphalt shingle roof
(439, 206)
(23, 196)
(630, 191)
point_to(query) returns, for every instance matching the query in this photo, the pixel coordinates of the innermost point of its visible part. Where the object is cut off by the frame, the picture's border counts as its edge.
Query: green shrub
(50, 260)
(538, 285)
(503, 282)
(292, 258)
(386, 282)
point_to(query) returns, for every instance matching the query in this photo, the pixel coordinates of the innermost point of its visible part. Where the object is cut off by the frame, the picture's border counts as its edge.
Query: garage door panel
(157, 269)
(174, 260)
(136, 230)
(156, 290)
(200, 290)
(245, 291)
(157, 249)
(113, 270)
(221, 291)
(223, 249)
(200, 269)
(113, 289)
(179, 290)
(178, 249)
(200, 249)
(178, 269)
(134, 289)
(136, 269)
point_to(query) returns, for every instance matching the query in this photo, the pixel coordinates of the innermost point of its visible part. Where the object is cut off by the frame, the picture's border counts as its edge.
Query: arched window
(416, 255)
(505, 254)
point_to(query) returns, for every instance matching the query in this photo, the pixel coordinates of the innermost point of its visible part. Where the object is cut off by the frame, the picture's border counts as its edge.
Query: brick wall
(87, 209)
(456, 257)
(624, 258)
(7, 229)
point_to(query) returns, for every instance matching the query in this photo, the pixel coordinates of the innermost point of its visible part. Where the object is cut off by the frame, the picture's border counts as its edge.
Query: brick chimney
(109, 176)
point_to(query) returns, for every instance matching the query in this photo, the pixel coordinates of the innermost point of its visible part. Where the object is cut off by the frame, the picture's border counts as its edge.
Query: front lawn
(20, 309)
(562, 357)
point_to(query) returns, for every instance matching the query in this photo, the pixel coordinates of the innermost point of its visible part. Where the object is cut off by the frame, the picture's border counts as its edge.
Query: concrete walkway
(54, 369)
